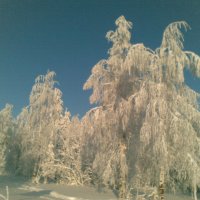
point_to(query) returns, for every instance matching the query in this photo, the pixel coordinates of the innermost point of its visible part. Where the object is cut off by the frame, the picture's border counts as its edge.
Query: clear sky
(68, 36)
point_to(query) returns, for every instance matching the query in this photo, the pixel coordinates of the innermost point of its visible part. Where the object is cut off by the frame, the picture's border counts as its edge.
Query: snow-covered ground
(20, 189)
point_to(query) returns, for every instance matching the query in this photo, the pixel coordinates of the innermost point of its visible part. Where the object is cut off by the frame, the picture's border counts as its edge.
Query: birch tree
(155, 112)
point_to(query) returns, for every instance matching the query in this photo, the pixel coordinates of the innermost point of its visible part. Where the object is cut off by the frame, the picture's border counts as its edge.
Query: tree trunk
(195, 187)
(161, 185)
(122, 172)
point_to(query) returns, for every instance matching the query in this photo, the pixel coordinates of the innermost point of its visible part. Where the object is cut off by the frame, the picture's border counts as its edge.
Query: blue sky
(68, 36)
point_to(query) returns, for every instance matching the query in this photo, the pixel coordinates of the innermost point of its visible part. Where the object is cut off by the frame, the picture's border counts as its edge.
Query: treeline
(144, 133)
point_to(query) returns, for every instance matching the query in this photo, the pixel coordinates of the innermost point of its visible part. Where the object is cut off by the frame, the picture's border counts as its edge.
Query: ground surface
(20, 189)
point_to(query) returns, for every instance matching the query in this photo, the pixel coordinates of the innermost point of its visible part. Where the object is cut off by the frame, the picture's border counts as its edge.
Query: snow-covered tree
(69, 149)
(104, 152)
(107, 81)
(50, 140)
(37, 124)
(154, 114)
(6, 130)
